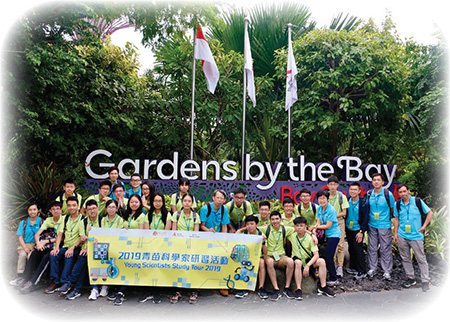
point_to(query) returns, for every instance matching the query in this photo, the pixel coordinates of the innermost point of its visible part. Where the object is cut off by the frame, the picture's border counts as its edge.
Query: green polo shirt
(157, 223)
(275, 242)
(70, 230)
(299, 251)
(238, 215)
(308, 214)
(133, 223)
(116, 222)
(184, 223)
(335, 203)
(84, 231)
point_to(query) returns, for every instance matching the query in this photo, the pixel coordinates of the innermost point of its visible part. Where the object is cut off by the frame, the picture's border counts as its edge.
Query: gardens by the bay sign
(260, 178)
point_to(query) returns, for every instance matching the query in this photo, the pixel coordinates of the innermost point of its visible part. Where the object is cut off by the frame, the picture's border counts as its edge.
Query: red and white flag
(248, 68)
(291, 78)
(203, 52)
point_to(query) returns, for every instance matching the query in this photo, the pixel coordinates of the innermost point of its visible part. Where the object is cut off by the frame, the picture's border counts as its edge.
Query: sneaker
(371, 273)
(51, 288)
(425, 286)
(104, 290)
(94, 295)
(289, 294)
(360, 276)
(333, 283)
(276, 295)
(146, 297)
(65, 288)
(340, 272)
(18, 281)
(352, 271)
(387, 276)
(156, 299)
(73, 295)
(119, 298)
(241, 294)
(27, 287)
(298, 295)
(325, 291)
(409, 282)
(112, 296)
(263, 293)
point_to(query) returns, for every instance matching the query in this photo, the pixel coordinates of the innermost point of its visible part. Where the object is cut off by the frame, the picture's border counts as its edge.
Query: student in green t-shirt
(68, 230)
(238, 209)
(306, 259)
(251, 228)
(184, 184)
(264, 211)
(157, 218)
(276, 256)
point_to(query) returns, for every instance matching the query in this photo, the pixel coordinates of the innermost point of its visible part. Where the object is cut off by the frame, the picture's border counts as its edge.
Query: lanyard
(188, 226)
(110, 225)
(154, 219)
(299, 243)
(279, 235)
(354, 206)
(73, 226)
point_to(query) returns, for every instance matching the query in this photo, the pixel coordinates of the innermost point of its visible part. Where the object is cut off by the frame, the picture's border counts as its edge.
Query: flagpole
(289, 111)
(246, 20)
(193, 95)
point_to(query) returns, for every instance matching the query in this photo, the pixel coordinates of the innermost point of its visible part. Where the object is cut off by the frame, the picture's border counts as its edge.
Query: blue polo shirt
(352, 221)
(410, 215)
(380, 214)
(130, 192)
(214, 219)
(330, 214)
(30, 230)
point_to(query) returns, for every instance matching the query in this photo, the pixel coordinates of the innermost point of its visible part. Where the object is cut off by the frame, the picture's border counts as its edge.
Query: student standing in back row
(412, 217)
(381, 208)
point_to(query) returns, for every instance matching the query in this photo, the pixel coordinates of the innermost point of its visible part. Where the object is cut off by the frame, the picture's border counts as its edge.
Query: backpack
(222, 210)
(85, 222)
(283, 229)
(313, 206)
(423, 215)
(194, 215)
(232, 206)
(386, 196)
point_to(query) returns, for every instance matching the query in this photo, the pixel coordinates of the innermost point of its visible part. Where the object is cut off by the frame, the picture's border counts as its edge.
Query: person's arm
(55, 250)
(174, 225)
(146, 225)
(230, 228)
(343, 213)
(427, 221)
(196, 227)
(40, 244)
(203, 227)
(224, 228)
(310, 263)
(327, 226)
(396, 224)
(24, 246)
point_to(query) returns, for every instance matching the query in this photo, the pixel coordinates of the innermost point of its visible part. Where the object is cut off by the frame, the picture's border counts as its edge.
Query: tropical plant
(40, 184)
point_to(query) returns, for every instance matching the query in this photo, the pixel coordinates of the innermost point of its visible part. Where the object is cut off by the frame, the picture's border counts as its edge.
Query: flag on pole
(203, 52)
(248, 68)
(291, 78)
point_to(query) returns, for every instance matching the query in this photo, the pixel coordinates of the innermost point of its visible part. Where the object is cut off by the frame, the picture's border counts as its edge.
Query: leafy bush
(41, 184)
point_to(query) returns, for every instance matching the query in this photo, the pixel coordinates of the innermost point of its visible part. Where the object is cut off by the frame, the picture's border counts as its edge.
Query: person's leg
(351, 248)
(271, 271)
(321, 264)
(373, 248)
(262, 273)
(55, 265)
(330, 250)
(387, 259)
(339, 256)
(298, 264)
(417, 246)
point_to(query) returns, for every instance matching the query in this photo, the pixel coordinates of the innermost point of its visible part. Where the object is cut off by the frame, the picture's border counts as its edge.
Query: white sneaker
(371, 273)
(339, 272)
(387, 276)
(94, 295)
(104, 290)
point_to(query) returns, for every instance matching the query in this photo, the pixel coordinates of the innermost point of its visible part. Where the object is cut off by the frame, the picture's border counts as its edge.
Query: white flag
(203, 52)
(291, 78)
(248, 68)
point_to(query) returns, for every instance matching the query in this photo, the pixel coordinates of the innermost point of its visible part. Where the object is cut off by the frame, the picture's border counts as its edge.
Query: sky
(420, 20)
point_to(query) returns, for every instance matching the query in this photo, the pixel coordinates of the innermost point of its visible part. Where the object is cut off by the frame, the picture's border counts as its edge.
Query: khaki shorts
(278, 264)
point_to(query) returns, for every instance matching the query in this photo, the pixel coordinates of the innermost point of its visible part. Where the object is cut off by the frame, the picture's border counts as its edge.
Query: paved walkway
(403, 305)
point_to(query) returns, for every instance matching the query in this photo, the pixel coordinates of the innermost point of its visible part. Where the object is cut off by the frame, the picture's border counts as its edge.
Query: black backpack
(423, 215)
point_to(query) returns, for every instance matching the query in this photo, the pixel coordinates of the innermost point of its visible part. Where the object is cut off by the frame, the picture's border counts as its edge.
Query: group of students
(291, 240)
